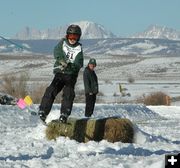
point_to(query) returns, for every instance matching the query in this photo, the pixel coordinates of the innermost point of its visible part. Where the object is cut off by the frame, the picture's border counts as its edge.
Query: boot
(63, 118)
(42, 115)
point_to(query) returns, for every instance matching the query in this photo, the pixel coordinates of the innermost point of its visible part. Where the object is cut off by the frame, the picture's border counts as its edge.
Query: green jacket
(71, 54)
(90, 81)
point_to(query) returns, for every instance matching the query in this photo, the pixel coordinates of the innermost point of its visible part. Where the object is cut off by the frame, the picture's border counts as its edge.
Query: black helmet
(74, 29)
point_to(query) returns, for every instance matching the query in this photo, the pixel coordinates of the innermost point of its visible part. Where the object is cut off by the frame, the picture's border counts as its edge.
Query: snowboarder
(69, 59)
(91, 87)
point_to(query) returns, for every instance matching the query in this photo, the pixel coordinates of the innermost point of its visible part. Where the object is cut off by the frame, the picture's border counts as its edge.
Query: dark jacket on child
(91, 89)
(90, 81)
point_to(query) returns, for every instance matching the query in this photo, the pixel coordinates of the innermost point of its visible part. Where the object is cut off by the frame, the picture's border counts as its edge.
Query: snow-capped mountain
(159, 32)
(34, 34)
(90, 30)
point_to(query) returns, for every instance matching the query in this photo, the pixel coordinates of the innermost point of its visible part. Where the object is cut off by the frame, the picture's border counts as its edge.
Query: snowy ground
(151, 73)
(23, 143)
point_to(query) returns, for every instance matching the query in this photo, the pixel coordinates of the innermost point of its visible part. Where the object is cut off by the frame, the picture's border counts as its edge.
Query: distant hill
(110, 46)
(158, 32)
(90, 30)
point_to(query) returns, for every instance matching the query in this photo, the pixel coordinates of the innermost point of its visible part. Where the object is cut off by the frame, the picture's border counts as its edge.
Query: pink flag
(21, 104)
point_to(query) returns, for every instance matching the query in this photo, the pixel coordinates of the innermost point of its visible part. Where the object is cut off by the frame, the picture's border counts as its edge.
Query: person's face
(72, 38)
(91, 66)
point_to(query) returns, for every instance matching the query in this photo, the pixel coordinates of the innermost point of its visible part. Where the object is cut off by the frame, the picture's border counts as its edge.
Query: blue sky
(122, 17)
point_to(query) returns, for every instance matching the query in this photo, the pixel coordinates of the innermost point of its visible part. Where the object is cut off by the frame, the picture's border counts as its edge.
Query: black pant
(90, 102)
(60, 81)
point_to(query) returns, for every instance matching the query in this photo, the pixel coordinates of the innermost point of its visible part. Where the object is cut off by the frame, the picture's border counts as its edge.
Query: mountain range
(158, 32)
(91, 30)
(96, 40)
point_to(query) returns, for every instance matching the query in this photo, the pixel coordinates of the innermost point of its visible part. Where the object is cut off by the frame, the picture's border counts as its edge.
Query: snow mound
(134, 112)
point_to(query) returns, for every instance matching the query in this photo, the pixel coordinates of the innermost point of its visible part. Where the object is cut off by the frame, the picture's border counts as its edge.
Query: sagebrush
(155, 98)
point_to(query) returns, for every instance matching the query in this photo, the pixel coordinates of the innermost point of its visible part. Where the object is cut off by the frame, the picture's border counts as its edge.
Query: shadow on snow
(48, 155)
(131, 150)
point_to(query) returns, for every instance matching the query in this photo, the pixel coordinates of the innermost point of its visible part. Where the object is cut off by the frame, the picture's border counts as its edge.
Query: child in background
(91, 87)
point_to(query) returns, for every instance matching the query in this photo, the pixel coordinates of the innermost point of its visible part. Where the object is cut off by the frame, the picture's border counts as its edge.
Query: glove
(62, 65)
(68, 61)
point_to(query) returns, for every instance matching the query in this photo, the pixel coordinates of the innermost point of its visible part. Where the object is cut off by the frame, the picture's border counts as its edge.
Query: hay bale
(84, 130)
(117, 129)
(90, 127)
(95, 129)
(74, 129)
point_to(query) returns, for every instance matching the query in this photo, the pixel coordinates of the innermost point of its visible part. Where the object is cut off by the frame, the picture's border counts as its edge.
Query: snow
(23, 143)
(147, 45)
(2, 47)
(161, 32)
(159, 48)
(144, 48)
(151, 74)
(26, 45)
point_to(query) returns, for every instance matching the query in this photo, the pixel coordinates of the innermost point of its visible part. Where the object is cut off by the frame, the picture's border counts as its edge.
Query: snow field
(23, 143)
